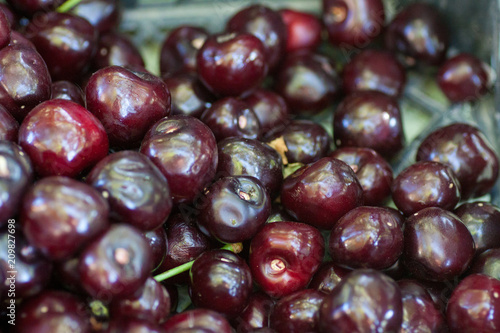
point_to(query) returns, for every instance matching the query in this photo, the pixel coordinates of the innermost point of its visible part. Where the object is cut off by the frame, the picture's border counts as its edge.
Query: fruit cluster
(210, 197)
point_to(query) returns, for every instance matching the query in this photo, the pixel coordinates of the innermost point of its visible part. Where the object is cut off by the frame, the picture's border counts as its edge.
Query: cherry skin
(366, 237)
(73, 214)
(29, 7)
(127, 103)
(221, 281)
(303, 30)
(189, 96)
(65, 59)
(12, 17)
(353, 23)
(132, 325)
(104, 15)
(369, 119)
(158, 242)
(463, 78)
(374, 70)
(418, 32)
(68, 91)
(185, 151)
(256, 313)
(322, 192)
(23, 87)
(62, 138)
(364, 301)
(438, 246)
(373, 171)
(5, 29)
(488, 263)
(327, 277)
(197, 320)
(137, 192)
(284, 256)
(466, 150)
(474, 304)
(116, 49)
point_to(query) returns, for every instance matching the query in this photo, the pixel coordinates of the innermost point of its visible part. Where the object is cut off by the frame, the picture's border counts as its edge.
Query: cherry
(197, 320)
(65, 274)
(322, 192)
(267, 25)
(353, 23)
(16, 38)
(220, 281)
(62, 138)
(5, 29)
(372, 170)
(284, 256)
(418, 32)
(116, 49)
(242, 68)
(189, 95)
(365, 300)
(104, 15)
(9, 14)
(179, 50)
(270, 108)
(369, 119)
(66, 59)
(185, 151)
(303, 30)
(158, 242)
(374, 70)
(68, 91)
(30, 7)
(137, 192)
(327, 277)
(474, 304)
(488, 263)
(308, 82)
(132, 325)
(256, 313)
(366, 237)
(127, 103)
(116, 264)
(463, 78)
(438, 246)
(231, 117)
(466, 150)
(59, 215)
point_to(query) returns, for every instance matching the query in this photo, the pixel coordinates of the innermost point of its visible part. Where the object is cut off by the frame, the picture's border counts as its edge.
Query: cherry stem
(67, 5)
(236, 248)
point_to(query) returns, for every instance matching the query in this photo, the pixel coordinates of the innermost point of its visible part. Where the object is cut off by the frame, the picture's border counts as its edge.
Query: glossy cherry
(256, 313)
(327, 277)
(369, 119)
(62, 138)
(322, 192)
(8, 11)
(188, 95)
(127, 103)
(284, 256)
(116, 49)
(487, 263)
(303, 30)
(197, 320)
(104, 15)
(30, 7)
(122, 324)
(67, 90)
(438, 246)
(185, 151)
(466, 150)
(158, 242)
(5, 29)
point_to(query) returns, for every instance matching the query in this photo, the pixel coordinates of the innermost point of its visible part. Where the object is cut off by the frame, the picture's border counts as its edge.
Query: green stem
(236, 248)
(67, 5)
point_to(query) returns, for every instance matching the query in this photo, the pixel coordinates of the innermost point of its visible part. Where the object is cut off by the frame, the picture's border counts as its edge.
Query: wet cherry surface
(116, 49)
(303, 30)
(8, 126)
(157, 240)
(197, 320)
(488, 263)
(67, 90)
(188, 95)
(132, 325)
(104, 15)
(256, 313)
(270, 108)
(327, 277)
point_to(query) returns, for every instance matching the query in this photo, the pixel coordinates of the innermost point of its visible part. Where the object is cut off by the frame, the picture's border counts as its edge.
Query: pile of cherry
(126, 187)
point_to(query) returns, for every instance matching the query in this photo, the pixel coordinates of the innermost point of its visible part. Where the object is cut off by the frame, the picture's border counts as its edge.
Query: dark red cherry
(303, 30)
(221, 281)
(483, 221)
(231, 117)
(366, 237)
(185, 151)
(67, 90)
(53, 311)
(189, 96)
(104, 15)
(4, 30)
(297, 312)
(322, 192)
(374, 70)
(122, 324)
(127, 103)
(116, 264)
(179, 49)
(267, 25)
(327, 277)
(65, 274)
(425, 184)
(23, 87)
(487, 263)
(17, 38)
(463, 78)
(284, 256)
(247, 157)
(364, 301)
(373, 171)
(419, 33)
(157, 240)
(30, 7)
(466, 150)
(9, 14)
(353, 23)
(438, 246)
(137, 192)
(62, 138)
(60, 215)
(369, 119)
(308, 82)
(474, 304)
(256, 313)
(270, 108)
(116, 49)
(231, 64)
(66, 59)
(197, 320)
(301, 141)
